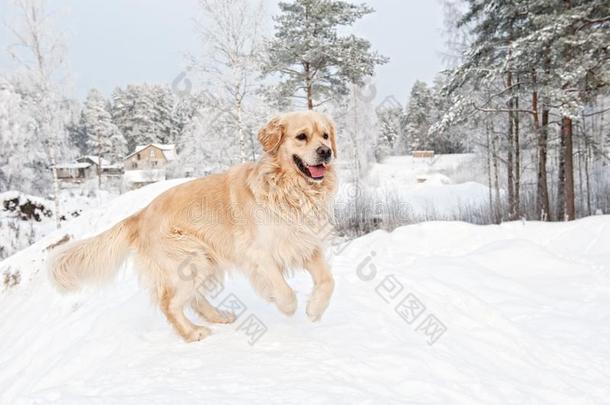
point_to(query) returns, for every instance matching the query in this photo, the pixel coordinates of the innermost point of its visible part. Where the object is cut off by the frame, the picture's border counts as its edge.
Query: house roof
(168, 150)
(94, 159)
(72, 165)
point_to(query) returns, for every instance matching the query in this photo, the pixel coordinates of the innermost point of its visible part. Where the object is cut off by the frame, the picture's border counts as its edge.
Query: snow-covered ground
(18, 231)
(434, 313)
(427, 187)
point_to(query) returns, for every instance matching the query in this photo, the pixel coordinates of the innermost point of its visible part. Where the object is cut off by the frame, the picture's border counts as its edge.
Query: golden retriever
(262, 217)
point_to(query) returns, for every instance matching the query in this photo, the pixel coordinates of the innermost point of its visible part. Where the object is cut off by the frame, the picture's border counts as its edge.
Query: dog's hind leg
(172, 301)
(209, 312)
(324, 285)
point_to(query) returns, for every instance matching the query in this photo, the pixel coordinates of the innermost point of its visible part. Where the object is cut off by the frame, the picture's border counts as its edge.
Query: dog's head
(301, 141)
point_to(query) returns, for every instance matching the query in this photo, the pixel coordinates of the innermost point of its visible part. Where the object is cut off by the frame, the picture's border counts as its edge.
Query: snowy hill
(434, 313)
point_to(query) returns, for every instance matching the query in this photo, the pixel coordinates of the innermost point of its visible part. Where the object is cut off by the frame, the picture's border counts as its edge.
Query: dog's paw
(317, 305)
(224, 317)
(197, 334)
(287, 304)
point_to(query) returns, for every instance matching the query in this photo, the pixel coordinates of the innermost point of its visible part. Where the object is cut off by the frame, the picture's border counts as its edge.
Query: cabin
(74, 172)
(147, 164)
(84, 168)
(150, 157)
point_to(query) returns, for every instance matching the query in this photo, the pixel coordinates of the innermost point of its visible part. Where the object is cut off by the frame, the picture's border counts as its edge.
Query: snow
(18, 231)
(525, 307)
(94, 159)
(72, 165)
(424, 186)
(144, 176)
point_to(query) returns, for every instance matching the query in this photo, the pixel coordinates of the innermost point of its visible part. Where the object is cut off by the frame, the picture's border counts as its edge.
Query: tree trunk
(308, 86)
(488, 161)
(56, 192)
(561, 172)
(568, 158)
(509, 157)
(517, 147)
(496, 180)
(567, 149)
(240, 131)
(99, 164)
(542, 191)
(587, 177)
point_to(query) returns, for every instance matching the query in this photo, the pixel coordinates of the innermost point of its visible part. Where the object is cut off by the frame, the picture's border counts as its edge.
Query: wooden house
(152, 156)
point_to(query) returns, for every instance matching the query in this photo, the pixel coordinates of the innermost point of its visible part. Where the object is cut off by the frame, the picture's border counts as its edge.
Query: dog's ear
(271, 135)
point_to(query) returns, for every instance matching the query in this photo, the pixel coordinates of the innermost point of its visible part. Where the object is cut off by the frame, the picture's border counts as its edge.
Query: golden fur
(261, 217)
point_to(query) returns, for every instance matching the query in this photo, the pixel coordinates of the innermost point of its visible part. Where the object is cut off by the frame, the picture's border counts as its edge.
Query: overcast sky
(115, 42)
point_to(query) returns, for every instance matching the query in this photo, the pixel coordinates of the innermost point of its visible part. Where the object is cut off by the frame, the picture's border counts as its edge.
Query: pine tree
(418, 117)
(539, 64)
(390, 117)
(147, 114)
(103, 137)
(314, 61)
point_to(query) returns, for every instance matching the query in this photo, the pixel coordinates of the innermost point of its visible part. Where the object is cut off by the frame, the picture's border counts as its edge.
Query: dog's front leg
(268, 281)
(324, 284)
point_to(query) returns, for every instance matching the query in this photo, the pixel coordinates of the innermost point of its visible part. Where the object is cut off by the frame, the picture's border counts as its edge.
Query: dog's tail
(93, 260)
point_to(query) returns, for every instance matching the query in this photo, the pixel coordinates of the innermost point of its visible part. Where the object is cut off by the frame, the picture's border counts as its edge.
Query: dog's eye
(301, 137)
(325, 136)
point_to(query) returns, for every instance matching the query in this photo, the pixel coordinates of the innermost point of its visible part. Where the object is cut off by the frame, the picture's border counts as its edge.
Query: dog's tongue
(317, 171)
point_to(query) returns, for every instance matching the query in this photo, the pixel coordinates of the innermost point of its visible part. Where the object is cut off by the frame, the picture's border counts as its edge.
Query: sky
(115, 42)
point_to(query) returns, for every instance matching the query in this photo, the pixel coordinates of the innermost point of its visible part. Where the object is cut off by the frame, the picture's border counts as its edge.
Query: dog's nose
(324, 152)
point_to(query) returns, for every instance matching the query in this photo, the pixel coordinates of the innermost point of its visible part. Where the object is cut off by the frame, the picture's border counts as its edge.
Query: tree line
(531, 82)
(239, 77)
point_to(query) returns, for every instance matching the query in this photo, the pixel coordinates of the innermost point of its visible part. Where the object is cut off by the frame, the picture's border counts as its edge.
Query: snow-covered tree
(357, 126)
(39, 52)
(146, 113)
(201, 151)
(17, 140)
(312, 56)
(538, 63)
(103, 137)
(418, 117)
(390, 117)
(231, 38)
(451, 139)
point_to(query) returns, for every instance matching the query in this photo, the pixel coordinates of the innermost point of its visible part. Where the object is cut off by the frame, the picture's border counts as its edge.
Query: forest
(525, 90)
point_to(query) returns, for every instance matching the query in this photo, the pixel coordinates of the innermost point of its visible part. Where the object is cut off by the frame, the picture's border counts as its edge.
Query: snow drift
(434, 313)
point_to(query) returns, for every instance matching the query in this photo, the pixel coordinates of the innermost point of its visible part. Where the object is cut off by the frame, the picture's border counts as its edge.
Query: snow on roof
(94, 159)
(169, 150)
(144, 176)
(72, 165)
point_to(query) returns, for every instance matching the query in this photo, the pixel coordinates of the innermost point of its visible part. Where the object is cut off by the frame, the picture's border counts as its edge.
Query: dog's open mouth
(316, 172)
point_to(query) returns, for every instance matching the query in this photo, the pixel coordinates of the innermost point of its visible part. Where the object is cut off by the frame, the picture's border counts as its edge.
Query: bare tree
(231, 38)
(39, 50)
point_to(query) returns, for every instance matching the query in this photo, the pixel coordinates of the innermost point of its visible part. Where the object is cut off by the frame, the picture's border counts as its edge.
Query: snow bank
(433, 313)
